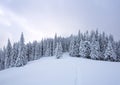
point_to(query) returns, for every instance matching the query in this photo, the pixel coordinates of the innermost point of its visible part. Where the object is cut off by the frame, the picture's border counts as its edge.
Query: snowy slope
(65, 71)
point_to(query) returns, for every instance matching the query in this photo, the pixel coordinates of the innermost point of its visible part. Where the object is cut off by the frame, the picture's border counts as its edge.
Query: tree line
(93, 45)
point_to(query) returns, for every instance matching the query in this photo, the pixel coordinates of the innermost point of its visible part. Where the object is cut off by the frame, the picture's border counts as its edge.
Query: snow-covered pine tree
(118, 50)
(97, 35)
(86, 36)
(71, 45)
(8, 54)
(74, 47)
(14, 54)
(41, 48)
(67, 41)
(1, 59)
(103, 40)
(95, 48)
(84, 49)
(33, 50)
(48, 50)
(114, 46)
(44, 47)
(64, 44)
(22, 58)
(79, 36)
(54, 43)
(58, 50)
(92, 33)
(37, 51)
(109, 53)
(51, 48)
(29, 51)
(4, 55)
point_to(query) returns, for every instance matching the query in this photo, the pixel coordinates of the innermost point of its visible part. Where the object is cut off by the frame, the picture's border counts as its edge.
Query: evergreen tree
(79, 36)
(86, 36)
(37, 51)
(71, 47)
(33, 50)
(58, 51)
(22, 58)
(8, 55)
(95, 49)
(54, 43)
(41, 48)
(14, 54)
(74, 48)
(48, 49)
(109, 53)
(103, 40)
(29, 51)
(84, 49)
(1, 60)
(4, 57)
(44, 47)
(118, 50)
(51, 48)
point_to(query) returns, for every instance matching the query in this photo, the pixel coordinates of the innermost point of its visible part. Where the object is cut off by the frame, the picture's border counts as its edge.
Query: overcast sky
(44, 18)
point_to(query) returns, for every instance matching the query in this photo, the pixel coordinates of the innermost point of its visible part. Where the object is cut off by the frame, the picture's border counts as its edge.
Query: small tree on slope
(22, 58)
(95, 49)
(8, 55)
(14, 54)
(109, 53)
(71, 47)
(74, 48)
(58, 51)
(84, 49)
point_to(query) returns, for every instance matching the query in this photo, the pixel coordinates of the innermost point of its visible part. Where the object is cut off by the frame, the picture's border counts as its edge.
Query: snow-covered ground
(64, 71)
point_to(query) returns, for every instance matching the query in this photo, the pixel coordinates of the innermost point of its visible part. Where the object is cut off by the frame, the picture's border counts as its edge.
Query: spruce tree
(8, 55)
(37, 51)
(74, 48)
(110, 53)
(1, 59)
(33, 50)
(48, 49)
(58, 50)
(95, 49)
(22, 58)
(14, 54)
(54, 44)
(84, 49)
(29, 51)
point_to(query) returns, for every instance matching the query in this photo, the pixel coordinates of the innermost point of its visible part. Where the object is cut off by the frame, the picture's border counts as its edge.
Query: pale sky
(43, 18)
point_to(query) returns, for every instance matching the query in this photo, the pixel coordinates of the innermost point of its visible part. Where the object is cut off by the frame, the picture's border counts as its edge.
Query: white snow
(64, 71)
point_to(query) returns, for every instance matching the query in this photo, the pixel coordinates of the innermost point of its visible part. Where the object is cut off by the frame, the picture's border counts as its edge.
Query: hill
(65, 71)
